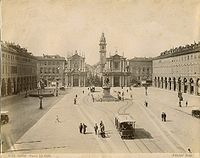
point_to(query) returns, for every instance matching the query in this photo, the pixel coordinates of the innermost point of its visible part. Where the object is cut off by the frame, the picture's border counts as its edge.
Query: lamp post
(146, 87)
(41, 97)
(57, 88)
(39, 88)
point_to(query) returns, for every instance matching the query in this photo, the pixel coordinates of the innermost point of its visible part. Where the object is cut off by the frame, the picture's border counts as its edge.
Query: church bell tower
(102, 51)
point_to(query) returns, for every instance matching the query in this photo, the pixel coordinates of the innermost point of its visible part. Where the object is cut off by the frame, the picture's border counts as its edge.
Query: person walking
(186, 103)
(57, 119)
(146, 103)
(96, 128)
(102, 128)
(76, 95)
(84, 128)
(74, 100)
(164, 117)
(80, 127)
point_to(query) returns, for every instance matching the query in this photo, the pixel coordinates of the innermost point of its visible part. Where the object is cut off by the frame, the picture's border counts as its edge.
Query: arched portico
(179, 84)
(185, 86)
(170, 83)
(165, 82)
(198, 86)
(191, 85)
(162, 82)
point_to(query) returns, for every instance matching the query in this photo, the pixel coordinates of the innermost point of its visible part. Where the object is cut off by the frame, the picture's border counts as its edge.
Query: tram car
(125, 124)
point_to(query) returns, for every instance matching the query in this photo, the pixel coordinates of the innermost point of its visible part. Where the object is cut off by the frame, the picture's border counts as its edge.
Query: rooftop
(181, 50)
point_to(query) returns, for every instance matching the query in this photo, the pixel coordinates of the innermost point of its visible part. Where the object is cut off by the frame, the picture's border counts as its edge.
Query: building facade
(75, 71)
(115, 67)
(178, 69)
(117, 71)
(18, 69)
(141, 70)
(51, 69)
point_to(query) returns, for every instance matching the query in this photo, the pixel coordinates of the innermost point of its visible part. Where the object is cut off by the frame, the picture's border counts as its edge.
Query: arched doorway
(170, 84)
(155, 82)
(18, 85)
(179, 84)
(185, 86)
(9, 87)
(75, 80)
(14, 86)
(198, 86)
(165, 82)
(161, 82)
(191, 86)
(174, 83)
(3, 87)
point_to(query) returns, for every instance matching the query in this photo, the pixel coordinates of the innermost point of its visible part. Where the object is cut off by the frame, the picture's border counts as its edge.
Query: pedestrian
(80, 127)
(127, 90)
(131, 96)
(84, 128)
(102, 126)
(74, 100)
(146, 103)
(96, 128)
(57, 119)
(164, 117)
(83, 91)
(180, 103)
(189, 150)
(76, 95)
(186, 103)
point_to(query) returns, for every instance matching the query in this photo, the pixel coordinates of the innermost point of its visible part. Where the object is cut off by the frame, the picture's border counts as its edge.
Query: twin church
(115, 68)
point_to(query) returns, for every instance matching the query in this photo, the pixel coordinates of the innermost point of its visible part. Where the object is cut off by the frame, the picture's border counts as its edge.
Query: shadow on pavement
(141, 133)
(88, 132)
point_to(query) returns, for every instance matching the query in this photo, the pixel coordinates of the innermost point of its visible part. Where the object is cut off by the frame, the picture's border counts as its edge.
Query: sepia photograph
(100, 78)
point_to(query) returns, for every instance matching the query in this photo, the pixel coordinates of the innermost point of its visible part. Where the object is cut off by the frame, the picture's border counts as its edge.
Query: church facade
(115, 67)
(75, 71)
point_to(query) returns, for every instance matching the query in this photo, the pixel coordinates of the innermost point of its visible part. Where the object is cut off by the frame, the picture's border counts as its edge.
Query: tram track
(122, 110)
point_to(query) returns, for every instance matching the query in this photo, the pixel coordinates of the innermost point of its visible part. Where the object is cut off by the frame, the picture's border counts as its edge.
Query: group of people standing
(102, 129)
(83, 127)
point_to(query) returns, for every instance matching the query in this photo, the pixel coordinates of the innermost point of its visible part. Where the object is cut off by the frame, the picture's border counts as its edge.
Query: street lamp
(57, 88)
(41, 97)
(39, 87)
(146, 87)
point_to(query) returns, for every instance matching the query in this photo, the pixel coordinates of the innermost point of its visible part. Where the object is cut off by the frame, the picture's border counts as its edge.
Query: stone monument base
(106, 95)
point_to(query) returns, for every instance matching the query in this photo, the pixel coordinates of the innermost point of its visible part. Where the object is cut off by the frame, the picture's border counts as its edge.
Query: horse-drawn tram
(125, 124)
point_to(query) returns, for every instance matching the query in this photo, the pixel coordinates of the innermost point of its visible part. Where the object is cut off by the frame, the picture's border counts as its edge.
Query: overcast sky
(135, 27)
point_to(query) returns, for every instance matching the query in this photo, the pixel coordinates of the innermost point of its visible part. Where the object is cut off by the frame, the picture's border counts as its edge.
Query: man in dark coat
(80, 127)
(84, 128)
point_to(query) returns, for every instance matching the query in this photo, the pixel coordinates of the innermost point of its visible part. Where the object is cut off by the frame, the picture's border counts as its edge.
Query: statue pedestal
(106, 94)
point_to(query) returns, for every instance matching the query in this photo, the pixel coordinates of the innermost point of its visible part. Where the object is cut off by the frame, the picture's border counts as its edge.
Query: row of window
(15, 58)
(18, 70)
(188, 57)
(51, 63)
(49, 70)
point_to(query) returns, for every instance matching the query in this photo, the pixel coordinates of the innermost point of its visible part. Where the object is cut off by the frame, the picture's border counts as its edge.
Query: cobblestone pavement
(57, 131)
